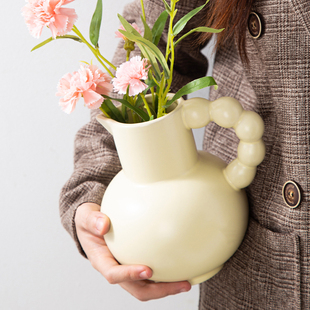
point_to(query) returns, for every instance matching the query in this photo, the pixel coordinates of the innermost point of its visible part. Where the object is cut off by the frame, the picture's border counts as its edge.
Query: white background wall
(40, 267)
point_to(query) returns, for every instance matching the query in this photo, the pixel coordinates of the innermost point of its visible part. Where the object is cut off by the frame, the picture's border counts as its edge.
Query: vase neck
(157, 150)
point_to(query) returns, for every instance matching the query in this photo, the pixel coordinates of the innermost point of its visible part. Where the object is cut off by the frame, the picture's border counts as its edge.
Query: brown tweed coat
(271, 269)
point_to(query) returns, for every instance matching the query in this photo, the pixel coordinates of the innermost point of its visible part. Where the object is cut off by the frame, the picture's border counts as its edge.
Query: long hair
(231, 15)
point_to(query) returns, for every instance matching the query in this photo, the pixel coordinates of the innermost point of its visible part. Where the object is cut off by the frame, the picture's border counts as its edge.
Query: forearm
(95, 164)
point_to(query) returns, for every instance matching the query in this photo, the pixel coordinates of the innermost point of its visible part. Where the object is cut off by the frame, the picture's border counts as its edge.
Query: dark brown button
(291, 194)
(255, 25)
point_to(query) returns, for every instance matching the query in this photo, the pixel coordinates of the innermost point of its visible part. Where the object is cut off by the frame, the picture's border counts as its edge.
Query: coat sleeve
(95, 157)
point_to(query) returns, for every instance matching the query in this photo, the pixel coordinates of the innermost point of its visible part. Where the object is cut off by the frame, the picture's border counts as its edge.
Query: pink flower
(67, 89)
(89, 82)
(120, 35)
(130, 73)
(41, 13)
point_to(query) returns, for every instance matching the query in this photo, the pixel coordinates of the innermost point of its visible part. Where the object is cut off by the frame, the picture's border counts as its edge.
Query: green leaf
(42, 43)
(125, 113)
(149, 83)
(112, 110)
(95, 24)
(75, 38)
(68, 36)
(199, 29)
(140, 112)
(192, 87)
(179, 26)
(159, 27)
(131, 33)
(150, 48)
(139, 102)
(127, 26)
(152, 60)
(147, 31)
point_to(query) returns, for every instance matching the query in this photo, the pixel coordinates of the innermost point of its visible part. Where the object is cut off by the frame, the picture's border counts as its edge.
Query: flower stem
(146, 105)
(95, 51)
(153, 98)
(166, 84)
(169, 82)
(143, 11)
(170, 31)
(161, 98)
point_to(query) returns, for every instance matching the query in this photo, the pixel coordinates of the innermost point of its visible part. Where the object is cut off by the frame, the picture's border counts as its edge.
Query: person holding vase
(263, 61)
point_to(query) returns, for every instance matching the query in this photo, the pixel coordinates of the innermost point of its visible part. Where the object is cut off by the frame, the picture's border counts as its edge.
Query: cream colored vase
(180, 211)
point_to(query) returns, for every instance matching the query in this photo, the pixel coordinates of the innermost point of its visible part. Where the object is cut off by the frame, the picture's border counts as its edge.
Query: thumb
(90, 219)
(100, 223)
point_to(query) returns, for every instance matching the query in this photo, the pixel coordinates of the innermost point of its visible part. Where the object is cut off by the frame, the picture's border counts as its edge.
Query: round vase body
(171, 207)
(183, 229)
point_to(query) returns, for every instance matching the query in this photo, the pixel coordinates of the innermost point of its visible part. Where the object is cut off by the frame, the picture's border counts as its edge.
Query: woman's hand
(91, 225)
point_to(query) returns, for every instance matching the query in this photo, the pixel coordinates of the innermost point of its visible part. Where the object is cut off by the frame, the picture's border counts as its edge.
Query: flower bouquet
(179, 211)
(151, 72)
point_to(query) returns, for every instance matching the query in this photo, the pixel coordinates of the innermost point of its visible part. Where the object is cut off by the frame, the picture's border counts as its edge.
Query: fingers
(122, 273)
(91, 225)
(103, 261)
(133, 279)
(147, 290)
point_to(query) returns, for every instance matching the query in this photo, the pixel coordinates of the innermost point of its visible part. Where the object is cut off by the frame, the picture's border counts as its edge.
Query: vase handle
(227, 112)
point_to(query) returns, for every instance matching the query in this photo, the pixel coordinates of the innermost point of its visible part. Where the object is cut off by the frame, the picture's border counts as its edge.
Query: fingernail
(143, 275)
(99, 224)
(184, 290)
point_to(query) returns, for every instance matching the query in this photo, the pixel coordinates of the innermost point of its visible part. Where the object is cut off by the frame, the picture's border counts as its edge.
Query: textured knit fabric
(270, 270)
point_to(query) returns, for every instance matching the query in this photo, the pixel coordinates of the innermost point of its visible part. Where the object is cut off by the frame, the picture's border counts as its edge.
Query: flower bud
(129, 46)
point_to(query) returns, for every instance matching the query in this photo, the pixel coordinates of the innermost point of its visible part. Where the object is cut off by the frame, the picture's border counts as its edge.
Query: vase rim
(147, 123)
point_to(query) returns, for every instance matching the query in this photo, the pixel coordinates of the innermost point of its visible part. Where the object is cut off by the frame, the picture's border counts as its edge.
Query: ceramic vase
(180, 211)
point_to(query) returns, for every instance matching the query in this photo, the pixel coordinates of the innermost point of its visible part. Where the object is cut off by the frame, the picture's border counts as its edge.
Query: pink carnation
(41, 13)
(130, 73)
(120, 35)
(89, 82)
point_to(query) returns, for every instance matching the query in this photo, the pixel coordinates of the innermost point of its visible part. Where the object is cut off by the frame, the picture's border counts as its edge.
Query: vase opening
(133, 119)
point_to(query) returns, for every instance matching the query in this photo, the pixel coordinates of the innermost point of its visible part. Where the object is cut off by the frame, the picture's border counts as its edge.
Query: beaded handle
(227, 112)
